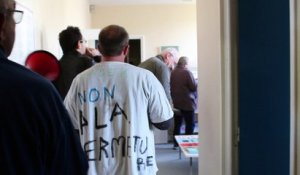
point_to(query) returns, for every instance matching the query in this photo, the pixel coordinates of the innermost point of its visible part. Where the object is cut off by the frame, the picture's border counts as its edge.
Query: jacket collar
(2, 54)
(160, 57)
(73, 52)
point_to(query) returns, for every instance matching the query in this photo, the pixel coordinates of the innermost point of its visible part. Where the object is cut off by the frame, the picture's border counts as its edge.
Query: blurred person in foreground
(76, 58)
(114, 105)
(184, 96)
(36, 136)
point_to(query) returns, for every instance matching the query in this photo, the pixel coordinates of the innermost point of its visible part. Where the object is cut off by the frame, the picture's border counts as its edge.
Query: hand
(91, 52)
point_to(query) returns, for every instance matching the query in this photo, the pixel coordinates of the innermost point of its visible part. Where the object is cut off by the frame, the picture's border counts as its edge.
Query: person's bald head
(112, 40)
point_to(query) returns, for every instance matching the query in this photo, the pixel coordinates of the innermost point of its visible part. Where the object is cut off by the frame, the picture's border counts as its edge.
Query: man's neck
(114, 58)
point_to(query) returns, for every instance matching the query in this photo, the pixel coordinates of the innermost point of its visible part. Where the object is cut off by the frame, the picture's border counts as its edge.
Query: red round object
(43, 63)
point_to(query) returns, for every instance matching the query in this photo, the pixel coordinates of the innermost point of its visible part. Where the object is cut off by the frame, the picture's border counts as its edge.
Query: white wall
(160, 25)
(50, 17)
(169, 25)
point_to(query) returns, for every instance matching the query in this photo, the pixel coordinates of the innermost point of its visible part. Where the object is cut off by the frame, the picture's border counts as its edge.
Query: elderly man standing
(161, 66)
(36, 134)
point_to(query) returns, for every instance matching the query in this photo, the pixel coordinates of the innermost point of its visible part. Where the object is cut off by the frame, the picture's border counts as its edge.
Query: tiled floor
(169, 163)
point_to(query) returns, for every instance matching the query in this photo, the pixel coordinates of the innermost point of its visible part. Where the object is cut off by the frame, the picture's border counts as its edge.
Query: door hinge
(237, 137)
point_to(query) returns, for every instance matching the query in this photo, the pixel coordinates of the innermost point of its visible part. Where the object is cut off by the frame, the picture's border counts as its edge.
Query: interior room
(149, 34)
(231, 57)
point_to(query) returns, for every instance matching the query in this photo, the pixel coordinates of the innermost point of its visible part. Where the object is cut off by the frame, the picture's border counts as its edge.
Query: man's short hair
(173, 52)
(182, 61)
(112, 40)
(69, 38)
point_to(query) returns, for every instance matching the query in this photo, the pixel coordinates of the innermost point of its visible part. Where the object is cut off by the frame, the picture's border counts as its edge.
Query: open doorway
(136, 43)
(135, 51)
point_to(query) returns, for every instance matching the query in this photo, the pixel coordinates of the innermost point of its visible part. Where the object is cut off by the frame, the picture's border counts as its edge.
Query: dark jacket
(71, 64)
(183, 89)
(36, 134)
(161, 71)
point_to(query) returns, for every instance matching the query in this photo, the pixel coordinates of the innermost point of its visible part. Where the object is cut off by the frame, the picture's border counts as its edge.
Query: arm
(163, 75)
(97, 58)
(159, 109)
(70, 105)
(192, 83)
(93, 53)
(163, 125)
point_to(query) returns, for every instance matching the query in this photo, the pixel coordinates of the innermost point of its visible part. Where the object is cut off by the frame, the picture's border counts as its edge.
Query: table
(188, 144)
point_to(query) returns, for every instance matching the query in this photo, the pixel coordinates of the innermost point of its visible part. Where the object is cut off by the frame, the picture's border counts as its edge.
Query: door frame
(217, 103)
(218, 115)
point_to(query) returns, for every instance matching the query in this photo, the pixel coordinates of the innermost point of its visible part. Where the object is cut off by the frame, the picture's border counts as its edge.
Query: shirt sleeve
(159, 108)
(70, 104)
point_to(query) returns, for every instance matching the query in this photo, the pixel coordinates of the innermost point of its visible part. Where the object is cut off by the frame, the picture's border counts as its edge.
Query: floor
(169, 163)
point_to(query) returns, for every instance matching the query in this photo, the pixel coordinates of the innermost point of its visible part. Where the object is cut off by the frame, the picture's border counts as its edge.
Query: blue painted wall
(264, 87)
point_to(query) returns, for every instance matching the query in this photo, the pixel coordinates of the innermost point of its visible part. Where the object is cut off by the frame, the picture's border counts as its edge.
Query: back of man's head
(112, 40)
(68, 39)
(183, 61)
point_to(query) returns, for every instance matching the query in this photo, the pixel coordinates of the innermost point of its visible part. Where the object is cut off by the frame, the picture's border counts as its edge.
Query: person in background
(36, 134)
(76, 58)
(161, 66)
(115, 105)
(184, 96)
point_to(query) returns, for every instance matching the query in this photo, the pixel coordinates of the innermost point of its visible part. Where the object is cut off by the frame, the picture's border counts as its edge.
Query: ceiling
(138, 2)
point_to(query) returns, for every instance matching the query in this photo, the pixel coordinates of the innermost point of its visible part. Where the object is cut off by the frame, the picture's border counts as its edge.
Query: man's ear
(2, 23)
(166, 58)
(78, 45)
(126, 50)
(99, 47)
